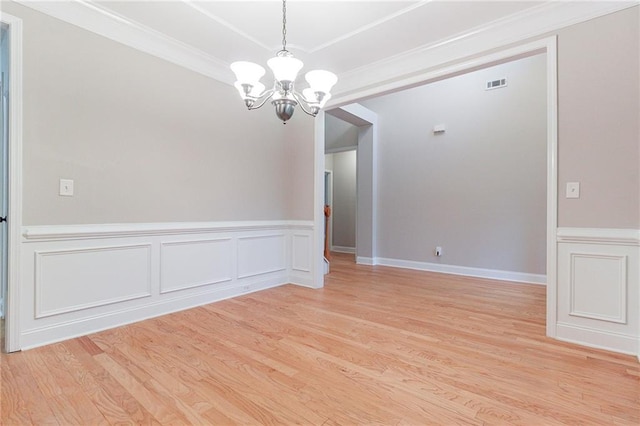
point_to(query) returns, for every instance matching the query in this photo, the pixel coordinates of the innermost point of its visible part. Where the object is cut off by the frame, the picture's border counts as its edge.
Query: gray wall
(343, 165)
(479, 190)
(599, 121)
(146, 140)
(339, 134)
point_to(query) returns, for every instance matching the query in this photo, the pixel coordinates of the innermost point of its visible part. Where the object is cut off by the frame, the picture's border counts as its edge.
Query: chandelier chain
(284, 25)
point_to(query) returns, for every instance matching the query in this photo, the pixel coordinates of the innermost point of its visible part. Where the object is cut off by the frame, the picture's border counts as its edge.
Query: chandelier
(283, 95)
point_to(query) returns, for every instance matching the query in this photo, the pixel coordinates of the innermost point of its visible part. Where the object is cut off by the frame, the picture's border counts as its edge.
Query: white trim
(341, 249)
(528, 24)
(493, 274)
(38, 281)
(118, 230)
(366, 27)
(163, 253)
(261, 254)
(623, 237)
(318, 202)
(12, 325)
(609, 268)
(608, 340)
(361, 260)
(91, 17)
(75, 328)
(551, 46)
(513, 29)
(620, 286)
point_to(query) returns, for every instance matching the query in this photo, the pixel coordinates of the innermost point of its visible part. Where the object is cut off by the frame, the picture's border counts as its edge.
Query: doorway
(546, 46)
(341, 143)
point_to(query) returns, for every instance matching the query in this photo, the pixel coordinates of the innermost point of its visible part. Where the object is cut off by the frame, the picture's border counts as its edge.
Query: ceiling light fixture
(285, 69)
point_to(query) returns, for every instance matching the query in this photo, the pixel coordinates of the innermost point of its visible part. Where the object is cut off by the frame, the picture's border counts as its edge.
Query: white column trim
(12, 325)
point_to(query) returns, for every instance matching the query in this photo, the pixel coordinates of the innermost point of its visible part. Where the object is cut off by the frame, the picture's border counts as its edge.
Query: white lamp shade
(321, 80)
(256, 89)
(310, 96)
(247, 72)
(285, 68)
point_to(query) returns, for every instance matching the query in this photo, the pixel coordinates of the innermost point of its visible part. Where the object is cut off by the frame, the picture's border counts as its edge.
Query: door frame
(14, 221)
(546, 46)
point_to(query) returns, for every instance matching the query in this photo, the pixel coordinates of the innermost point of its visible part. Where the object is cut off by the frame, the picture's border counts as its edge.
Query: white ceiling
(336, 35)
(354, 39)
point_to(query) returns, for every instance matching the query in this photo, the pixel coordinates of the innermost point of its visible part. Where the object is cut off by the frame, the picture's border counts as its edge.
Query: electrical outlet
(438, 251)
(66, 187)
(573, 190)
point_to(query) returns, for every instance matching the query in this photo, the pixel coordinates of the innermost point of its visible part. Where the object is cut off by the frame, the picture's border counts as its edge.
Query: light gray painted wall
(146, 140)
(344, 198)
(599, 121)
(339, 134)
(299, 137)
(479, 190)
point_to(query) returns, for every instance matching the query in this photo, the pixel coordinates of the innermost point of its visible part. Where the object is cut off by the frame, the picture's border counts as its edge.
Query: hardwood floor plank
(112, 399)
(12, 403)
(33, 401)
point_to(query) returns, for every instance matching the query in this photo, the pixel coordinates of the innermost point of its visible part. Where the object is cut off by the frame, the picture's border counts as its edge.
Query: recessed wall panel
(598, 286)
(188, 264)
(71, 280)
(261, 255)
(301, 253)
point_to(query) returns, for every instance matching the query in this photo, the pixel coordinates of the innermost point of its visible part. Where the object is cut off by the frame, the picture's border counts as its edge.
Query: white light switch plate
(573, 190)
(66, 187)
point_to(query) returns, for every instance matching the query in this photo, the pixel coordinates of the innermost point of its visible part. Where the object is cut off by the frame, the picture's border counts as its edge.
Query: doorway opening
(545, 46)
(341, 143)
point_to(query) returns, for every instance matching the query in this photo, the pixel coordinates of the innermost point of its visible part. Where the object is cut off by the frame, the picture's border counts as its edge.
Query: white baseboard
(598, 339)
(342, 249)
(360, 260)
(520, 277)
(82, 279)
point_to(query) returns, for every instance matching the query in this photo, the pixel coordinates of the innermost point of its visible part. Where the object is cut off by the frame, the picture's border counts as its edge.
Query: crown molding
(531, 23)
(369, 26)
(92, 17)
(528, 24)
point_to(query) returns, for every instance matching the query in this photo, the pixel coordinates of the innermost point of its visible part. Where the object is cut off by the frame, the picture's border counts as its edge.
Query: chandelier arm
(262, 99)
(302, 104)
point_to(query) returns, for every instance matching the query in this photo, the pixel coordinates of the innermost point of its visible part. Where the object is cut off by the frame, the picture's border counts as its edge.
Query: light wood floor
(375, 346)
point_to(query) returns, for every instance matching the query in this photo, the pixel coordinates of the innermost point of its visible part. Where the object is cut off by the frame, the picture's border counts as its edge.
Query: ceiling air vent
(496, 84)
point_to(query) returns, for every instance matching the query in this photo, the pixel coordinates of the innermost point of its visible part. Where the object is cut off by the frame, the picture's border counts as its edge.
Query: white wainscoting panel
(599, 288)
(261, 254)
(188, 264)
(73, 280)
(80, 279)
(301, 253)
